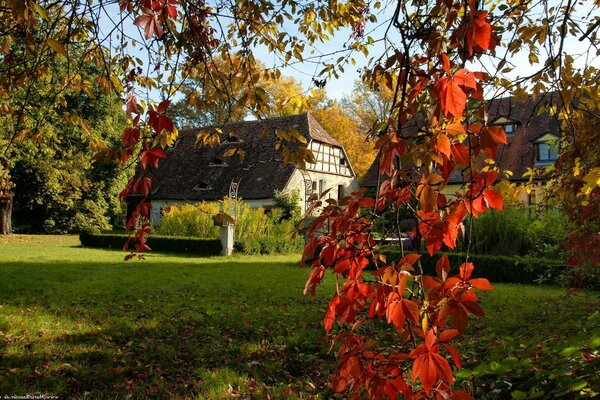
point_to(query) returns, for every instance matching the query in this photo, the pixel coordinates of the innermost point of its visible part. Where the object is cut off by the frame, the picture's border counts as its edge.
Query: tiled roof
(192, 173)
(519, 154)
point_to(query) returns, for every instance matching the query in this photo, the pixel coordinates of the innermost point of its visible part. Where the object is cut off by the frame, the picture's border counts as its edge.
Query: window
(510, 129)
(340, 192)
(545, 153)
(314, 186)
(202, 186)
(321, 185)
(342, 161)
(232, 139)
(217, 162)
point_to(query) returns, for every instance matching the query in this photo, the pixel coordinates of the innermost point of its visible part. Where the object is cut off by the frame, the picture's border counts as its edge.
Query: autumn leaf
(150, 22)
(443, 145)
(57, 47)
(453, 99)
(429, 365)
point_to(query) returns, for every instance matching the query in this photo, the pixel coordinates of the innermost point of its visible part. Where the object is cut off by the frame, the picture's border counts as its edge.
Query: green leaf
(518, 395)
(569, 351)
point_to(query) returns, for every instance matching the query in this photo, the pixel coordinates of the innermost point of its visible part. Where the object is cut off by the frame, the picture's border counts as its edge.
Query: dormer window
(510, 129)
(545, 153)
(202, 187)
(232, 139)
(217, 162)
(510, 126)
(545, 149)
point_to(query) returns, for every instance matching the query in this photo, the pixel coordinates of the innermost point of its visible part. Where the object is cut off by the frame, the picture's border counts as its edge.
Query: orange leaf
(443, 145)
(453, 99)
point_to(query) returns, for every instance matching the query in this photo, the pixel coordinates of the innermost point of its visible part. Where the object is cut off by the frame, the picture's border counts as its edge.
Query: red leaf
(410, 259)
(454, 354)
(150, 22)
(465, 78)
(443, 267)
(466, 269)
(330, 314)
(481, 284)
(448, 335)
(493, 199)
(429, 282)
(461, 153)
(151, 157)
(497, 134)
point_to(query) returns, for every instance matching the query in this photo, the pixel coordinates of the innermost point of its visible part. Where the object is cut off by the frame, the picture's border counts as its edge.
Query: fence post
(227, 238)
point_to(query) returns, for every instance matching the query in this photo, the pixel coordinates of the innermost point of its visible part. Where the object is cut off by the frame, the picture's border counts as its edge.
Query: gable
(546, 137)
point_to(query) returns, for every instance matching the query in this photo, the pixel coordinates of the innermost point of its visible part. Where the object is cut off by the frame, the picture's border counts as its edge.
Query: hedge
(496, 268)
(201, 247)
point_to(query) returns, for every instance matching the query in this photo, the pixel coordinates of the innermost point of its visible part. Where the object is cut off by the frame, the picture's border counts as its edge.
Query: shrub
(255, 231)
(190, 220)
(497, 268)
(289, 202)
(520, 231)
(189, 245)
(277, 238)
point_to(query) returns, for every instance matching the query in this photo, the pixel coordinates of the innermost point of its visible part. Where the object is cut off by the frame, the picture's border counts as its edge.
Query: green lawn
(82, 323)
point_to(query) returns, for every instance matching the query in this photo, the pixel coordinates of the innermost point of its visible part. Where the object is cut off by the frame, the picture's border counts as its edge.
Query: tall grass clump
(520, 231)
(256, 232)
(190, 220)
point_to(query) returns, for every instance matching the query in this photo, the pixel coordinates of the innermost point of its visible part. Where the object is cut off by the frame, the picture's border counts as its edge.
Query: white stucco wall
(330, 181)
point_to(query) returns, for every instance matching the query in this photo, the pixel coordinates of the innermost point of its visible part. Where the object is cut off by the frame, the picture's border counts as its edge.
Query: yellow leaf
(56, 46)
(41, 11)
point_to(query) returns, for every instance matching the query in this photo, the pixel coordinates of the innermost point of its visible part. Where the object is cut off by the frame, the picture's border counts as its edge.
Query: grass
(81, 323)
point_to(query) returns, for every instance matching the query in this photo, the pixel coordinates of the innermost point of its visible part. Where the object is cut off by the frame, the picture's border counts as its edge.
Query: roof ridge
(243, 122)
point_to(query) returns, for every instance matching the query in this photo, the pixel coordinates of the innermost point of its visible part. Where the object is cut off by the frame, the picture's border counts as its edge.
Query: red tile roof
(519, 154)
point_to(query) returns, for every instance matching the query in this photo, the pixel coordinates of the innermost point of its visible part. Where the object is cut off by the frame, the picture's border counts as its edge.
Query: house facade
(190, 174)
(532, 139)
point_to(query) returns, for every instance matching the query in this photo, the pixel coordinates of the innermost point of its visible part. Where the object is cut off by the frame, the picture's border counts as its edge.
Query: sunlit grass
(83, 323)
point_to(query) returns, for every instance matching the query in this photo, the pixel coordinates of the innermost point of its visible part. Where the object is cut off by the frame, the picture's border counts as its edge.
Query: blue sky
(337, 88)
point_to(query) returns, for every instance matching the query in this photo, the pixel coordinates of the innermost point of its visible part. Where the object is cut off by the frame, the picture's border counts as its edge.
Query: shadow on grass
(208, 330)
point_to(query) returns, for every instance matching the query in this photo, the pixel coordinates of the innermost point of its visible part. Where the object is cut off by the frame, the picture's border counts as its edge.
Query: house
(531, 135)
(192, 174)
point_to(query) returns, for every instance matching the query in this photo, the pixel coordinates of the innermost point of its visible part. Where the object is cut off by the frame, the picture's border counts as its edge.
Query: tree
(575, 178)
(228, 99)
(438, 59)
(46, 99)
(336, 120)
(370, 106)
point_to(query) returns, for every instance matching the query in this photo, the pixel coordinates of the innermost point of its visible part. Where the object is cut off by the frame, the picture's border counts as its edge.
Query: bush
(277, 238)
(202, 247)
(255, 231)
(497, 268)
(289, 202)
(520, 231)
(190, 220)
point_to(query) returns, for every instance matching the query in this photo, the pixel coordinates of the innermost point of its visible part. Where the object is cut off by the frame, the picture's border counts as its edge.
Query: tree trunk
(6, 199)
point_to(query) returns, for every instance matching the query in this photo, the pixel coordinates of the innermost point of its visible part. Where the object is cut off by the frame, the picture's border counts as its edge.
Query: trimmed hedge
(201, 247)
(496, 268)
